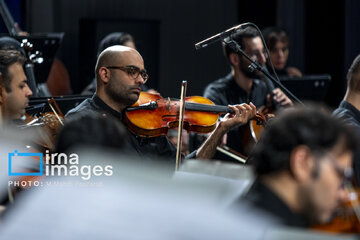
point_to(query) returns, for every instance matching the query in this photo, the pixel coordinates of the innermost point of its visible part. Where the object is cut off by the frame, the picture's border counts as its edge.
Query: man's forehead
(16, 68)
(129, 58)
(252, 43)
(16, 71)
(340, 154)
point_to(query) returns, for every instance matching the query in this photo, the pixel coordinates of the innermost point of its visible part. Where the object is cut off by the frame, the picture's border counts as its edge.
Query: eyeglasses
(256, 54)
(345, 174)
(132, 71)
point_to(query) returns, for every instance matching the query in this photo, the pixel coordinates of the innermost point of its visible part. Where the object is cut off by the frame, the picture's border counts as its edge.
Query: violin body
(157, 121)
(345, 219)
(46, 126)
(257, 125)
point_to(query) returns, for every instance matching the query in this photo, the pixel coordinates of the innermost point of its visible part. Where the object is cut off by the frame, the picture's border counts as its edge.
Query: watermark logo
(58, 164)
(16, 156)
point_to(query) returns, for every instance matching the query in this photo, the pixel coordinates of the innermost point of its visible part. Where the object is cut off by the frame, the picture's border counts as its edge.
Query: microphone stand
(254, 65)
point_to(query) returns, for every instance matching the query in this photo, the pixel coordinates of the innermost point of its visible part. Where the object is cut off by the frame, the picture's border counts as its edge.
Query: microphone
(219, 36)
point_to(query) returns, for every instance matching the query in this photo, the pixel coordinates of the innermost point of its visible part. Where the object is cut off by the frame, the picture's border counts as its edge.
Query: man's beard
(309, 210)
(119, 95)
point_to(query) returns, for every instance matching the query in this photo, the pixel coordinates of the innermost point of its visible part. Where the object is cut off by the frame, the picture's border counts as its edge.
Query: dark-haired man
(242, 85)
(15, 91)
(301, 162)
(349, 108)
(120, 74)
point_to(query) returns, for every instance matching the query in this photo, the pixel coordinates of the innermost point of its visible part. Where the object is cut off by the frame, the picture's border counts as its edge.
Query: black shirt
(155, 146)
(225, 91)
(349, 113)
(351, 116)
(260, 197)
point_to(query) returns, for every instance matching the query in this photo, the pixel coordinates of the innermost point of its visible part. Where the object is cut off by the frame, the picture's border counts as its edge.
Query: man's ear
(104, 74)
(234, 59)
(301, 163)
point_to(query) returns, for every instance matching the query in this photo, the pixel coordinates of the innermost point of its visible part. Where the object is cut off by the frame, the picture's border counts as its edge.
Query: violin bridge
(168, 105)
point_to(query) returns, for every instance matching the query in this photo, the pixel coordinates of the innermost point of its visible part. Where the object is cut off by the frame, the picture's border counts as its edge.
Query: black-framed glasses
(132, 71)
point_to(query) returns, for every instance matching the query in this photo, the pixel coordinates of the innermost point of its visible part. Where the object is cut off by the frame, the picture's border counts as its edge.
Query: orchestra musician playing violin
(120, 74)
(302, 161)
(15, 91)
(243, 86)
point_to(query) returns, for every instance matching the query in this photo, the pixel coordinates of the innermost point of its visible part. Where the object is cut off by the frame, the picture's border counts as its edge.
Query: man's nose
(344, 194)
(261, 59)
(281, 53)
(28, 92)
(140, 79)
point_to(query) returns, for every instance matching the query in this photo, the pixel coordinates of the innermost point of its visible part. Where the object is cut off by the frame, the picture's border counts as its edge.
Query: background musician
(241, 85)
(349, 108)
(278, 42)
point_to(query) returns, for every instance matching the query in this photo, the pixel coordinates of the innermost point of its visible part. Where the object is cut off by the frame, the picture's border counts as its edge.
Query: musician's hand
(281, 98)
(293, 72)
(243, 113)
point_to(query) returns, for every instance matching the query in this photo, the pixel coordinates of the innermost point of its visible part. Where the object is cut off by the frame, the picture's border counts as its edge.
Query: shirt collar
(105, 108)
(347, 105)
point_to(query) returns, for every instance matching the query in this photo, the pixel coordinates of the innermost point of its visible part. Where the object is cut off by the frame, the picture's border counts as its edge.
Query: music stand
(308, 87)
(47, 44)
(65, 103)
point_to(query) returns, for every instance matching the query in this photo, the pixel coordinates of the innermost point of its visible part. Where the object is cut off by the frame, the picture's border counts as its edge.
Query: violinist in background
(301, 163)
(15, 91)
(120, 73)
(349, 108)
(243, 86)
(278, 43)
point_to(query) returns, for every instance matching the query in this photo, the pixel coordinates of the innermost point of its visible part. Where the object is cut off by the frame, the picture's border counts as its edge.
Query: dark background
(325, 35)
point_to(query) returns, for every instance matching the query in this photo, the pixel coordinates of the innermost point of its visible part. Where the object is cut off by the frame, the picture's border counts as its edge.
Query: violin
(153, 115)
(347, 217)
(46, 126)
(258, 124)
(249, 134)
(49, 122)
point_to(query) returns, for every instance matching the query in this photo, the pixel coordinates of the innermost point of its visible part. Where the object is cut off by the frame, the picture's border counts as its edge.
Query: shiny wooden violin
(153, 115)
(45, 127)
(346, 218)
(48, 122)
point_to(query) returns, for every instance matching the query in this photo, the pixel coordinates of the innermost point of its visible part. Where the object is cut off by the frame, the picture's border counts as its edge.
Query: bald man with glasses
(120, 73)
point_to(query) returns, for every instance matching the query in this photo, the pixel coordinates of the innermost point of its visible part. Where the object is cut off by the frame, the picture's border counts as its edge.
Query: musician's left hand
(243, 113)
(280, 97)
